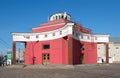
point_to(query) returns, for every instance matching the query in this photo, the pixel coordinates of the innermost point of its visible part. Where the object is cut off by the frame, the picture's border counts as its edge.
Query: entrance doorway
(81, 58)
(46, 58)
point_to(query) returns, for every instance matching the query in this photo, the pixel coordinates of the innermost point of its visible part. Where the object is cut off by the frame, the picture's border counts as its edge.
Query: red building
(59, 41)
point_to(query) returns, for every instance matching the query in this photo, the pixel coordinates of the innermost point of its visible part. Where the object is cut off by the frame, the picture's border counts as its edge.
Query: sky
(101, 16)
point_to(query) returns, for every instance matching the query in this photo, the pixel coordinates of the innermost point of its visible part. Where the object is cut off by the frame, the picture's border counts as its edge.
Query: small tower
(59, 16)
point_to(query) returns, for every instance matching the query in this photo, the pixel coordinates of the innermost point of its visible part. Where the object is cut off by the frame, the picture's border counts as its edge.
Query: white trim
(92, 37)
(67, 29)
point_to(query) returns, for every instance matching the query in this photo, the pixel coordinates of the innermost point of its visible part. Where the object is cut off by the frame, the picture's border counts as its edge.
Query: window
(98, 48)
(46, 46)
(73, 32)
(60, 32)
(95, 38)
(62, 16)
(76, 34)
(53, 34)
(88, 37)
(45, 35)
(81, 36)
(99, 58)
(37, 36)
(66, 18)
(59, 17)
(56, 17)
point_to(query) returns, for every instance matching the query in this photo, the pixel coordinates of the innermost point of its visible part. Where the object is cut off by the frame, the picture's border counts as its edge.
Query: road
(62, 71)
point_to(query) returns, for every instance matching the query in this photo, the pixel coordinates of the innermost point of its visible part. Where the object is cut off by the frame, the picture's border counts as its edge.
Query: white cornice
(67, 29)
(90, 37)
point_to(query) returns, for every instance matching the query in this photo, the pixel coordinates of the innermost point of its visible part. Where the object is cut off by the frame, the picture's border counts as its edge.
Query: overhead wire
(4, 46)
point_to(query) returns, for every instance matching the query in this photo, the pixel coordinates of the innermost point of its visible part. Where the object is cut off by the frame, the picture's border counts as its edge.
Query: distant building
(20, 56)
(60, 41)
(101, 52)
(114, 50)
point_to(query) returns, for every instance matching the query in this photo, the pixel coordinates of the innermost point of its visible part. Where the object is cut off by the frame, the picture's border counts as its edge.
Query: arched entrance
(17, 52)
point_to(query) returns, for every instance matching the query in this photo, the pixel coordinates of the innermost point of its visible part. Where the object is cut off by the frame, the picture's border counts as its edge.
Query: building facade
(101, 51)
(60, 41)
(114, 51)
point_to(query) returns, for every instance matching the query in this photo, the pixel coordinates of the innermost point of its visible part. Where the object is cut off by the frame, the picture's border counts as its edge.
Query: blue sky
(101, 16)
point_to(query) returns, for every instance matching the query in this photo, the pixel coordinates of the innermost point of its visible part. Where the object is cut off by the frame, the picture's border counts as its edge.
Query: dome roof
(59, 16)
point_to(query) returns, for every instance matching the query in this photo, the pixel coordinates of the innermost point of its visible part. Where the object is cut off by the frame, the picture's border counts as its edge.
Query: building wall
(90, 53)
(76, 51)
(87, 50)
(114, 53)
(101, 51)
(58, 51)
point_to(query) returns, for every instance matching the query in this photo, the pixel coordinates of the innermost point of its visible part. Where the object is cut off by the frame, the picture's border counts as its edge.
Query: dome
(59, 16)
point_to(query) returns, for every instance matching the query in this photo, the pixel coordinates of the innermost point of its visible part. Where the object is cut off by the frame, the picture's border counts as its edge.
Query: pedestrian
(102, 60)
(3, 63)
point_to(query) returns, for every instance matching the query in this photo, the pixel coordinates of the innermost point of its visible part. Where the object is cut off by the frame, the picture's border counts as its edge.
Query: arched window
(56, 18)
(62, 17)
(59, 17)
(66, 18)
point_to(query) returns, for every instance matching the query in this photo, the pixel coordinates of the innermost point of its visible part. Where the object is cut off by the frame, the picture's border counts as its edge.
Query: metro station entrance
(46, 58)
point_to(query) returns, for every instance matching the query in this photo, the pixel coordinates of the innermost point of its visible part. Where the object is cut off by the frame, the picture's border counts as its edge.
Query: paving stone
(61, 71)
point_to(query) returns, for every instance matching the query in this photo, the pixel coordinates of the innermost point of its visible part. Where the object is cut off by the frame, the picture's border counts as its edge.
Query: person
(102, 60)
(0, 63)
(3, 61)
(8, 61)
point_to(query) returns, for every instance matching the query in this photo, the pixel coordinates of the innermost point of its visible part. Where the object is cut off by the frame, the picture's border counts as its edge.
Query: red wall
(89, 52)
(58, 51)
(40, 29)
(50, 26)
(59, 47)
